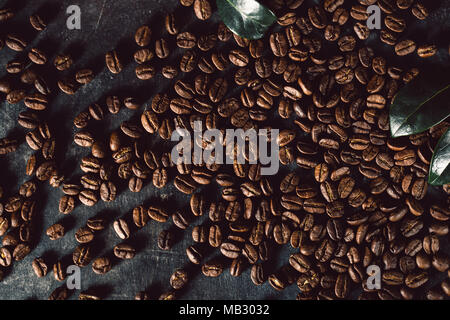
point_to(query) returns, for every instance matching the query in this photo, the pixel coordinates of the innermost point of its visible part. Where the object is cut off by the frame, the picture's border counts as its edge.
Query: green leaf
(421, 104)
(440, 162)
(246, 18)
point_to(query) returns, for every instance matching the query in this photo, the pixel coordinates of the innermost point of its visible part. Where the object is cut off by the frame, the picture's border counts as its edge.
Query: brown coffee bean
(143, 55)
(178, 279)
(21, 251)
(40, 268)
(15, 43)
(405, 47)
(142, 36)
(68, 86)
(317, 16)
(395, 23)
(416, 280)
(188, 61)
(405, 157)
(162, 50)
(46, 170)
(62, 62)
(82, 255)
(145, 72)
(165, 240)
(15, 96)
(88, 198)
(101, 265)
(186, 40)
(426, 51)
(5, 257)
(84, 235)
(84, 76)
(113, 62)
(124, 251)
(419, 11)
(185, 184)
(37, 22)
(37, 56)
(202, 9)
(96, 223)
(56, 231)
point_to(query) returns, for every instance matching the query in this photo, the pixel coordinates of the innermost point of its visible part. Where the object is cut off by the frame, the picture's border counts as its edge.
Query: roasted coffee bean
(121, 228)
(230, 250)
(426, 51)
(317, 16)
(15, 66)
(178, 279)
(158, 214)
(46, 170)
(88, 198)
(185, 184)
(299, 262)
(237, 266)
(162, 48)
(56, 231)
(84, 235)
(67, 85)
(278, 44)
(21, 251)
(82, 255)
(113, 62)
(62, 62)
(40, 267)
(202, 9)
(37, 56)
(395, 23)
(28, 119)
(5, 257)
(59, 271)
(194, 255)
(131, 103)
(188, 61)
(96, 223)
(60, 293)
(27, 189)
(124, 251)
(405, 47)
(8, 145)
(84, 76)
(143, 55)
(212, 268)
(416, 280)
(142, 36)
(186, 40)
(82, 119)
(101, 265)
(419, 11)
(165, 240)
(37, 22)
(84, 139)
(257, 274)
(15, 96)
(140, 216)
(15, 43)
(145, 72)
(66, 204)
(96, 112)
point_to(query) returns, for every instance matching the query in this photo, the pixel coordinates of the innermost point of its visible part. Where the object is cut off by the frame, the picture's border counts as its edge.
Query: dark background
(109, 24)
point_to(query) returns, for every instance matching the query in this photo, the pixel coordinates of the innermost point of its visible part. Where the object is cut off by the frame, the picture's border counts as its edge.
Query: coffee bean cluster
(347, 196)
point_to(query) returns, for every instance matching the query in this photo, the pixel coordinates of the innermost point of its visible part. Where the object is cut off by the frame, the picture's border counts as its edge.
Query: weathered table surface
(107, 24)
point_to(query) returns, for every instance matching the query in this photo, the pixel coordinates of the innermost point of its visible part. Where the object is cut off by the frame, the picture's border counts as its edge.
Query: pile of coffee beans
(347, 196)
